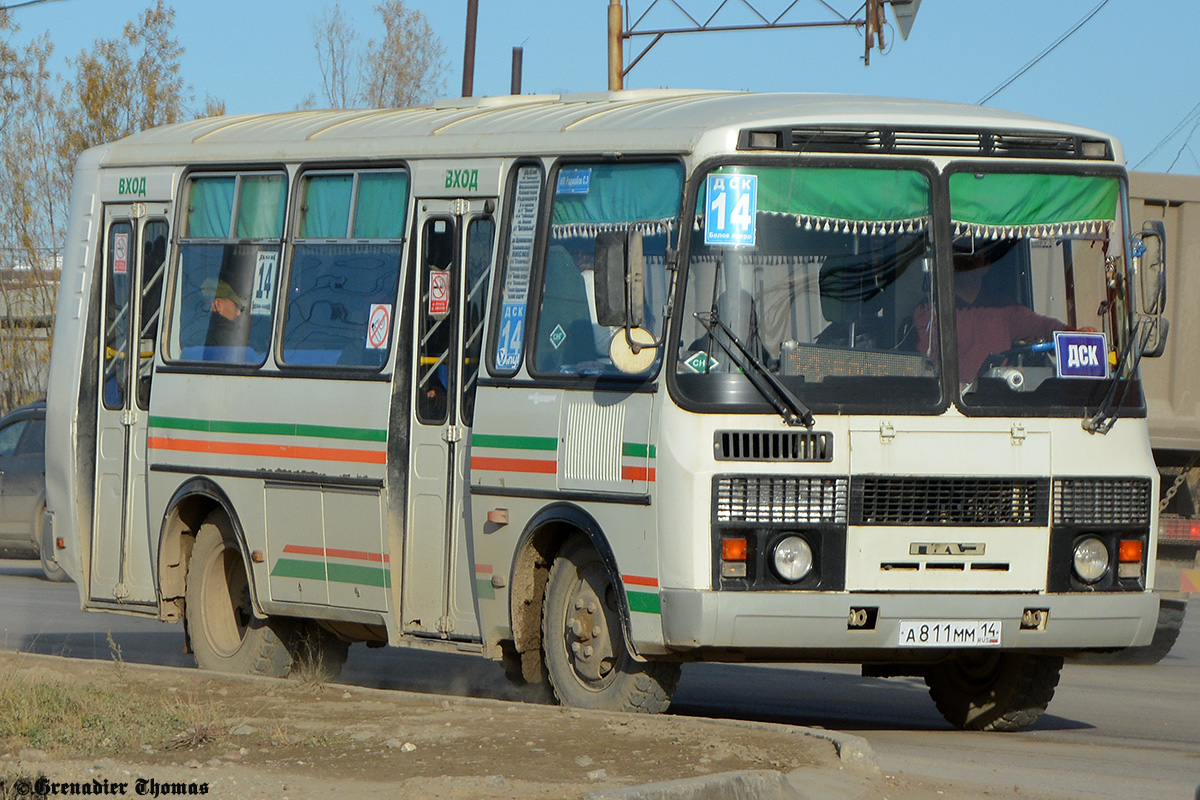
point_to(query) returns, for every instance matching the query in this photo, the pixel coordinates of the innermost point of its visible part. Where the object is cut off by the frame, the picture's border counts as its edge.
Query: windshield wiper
(781, 398)
(1110, 407)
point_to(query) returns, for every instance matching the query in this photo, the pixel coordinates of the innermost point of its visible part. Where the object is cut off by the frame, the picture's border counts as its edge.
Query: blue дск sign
(729, 215)
(1081, 355)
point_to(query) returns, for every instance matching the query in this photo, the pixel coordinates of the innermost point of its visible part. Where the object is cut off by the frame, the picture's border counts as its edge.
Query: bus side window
(345, 269)
(221, 311)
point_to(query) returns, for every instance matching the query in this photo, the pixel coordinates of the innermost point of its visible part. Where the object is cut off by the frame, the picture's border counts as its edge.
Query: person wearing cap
(225, 325)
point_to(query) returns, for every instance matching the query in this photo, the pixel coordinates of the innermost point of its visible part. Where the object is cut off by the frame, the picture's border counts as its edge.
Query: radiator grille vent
(895, 500)
(773, 446)
(1102, 501)
(782, 499)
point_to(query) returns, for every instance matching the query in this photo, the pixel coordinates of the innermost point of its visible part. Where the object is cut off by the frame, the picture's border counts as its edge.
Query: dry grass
(93, 719)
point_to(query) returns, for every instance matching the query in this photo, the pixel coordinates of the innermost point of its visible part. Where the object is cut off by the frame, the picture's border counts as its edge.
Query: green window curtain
(590, 199)
(845, 198)
(1008, 205)
(210, 207)
(260, 207)
(326, 210)
(382, 201)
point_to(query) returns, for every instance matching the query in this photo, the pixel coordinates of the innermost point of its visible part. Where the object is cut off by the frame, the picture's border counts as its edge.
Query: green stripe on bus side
(550, 443)
(269, 429)
(363, 576)
(505, 442)
(338, 573)
(646, 602)
(636, 450)
(296, 568)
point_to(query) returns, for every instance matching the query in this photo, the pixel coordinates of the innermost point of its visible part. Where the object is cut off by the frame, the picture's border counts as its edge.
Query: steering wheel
(1028, 353)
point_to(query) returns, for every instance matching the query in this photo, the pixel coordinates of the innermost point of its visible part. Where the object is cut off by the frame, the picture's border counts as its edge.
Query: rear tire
(1170, 621)
(993, 692)
(224, 633)
(588, 662)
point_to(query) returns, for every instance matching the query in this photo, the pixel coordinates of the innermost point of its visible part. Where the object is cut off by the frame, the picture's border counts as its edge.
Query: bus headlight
(792, 558)
(1091, 559)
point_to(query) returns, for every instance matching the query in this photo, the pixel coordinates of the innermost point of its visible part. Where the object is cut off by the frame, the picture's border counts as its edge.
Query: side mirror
(620, 279)
(1150, 249)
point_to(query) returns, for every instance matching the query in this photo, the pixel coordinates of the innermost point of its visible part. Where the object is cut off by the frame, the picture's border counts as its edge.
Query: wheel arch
(194, 501)
(539, 543)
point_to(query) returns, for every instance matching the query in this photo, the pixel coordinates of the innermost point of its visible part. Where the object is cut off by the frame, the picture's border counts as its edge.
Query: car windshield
(819, 273)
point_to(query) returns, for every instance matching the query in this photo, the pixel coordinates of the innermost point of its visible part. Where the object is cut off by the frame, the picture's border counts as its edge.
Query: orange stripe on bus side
(514, 465)
(357, 555)
(267, 450)
(638, 474)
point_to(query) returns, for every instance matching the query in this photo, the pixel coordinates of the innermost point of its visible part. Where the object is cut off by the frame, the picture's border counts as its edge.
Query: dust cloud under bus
(601, 384)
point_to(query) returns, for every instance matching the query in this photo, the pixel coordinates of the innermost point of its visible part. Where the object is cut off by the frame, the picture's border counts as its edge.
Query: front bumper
(814, 626)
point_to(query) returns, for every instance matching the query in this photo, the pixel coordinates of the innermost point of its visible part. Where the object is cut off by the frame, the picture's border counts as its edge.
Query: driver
(983, 329)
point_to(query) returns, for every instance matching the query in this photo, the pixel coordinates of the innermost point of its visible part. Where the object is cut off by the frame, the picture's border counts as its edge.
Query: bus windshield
(1037, 261)
(819, 273)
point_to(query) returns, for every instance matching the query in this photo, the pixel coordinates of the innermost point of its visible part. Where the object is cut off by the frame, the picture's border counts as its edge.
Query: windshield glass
(1041, 312)
(819, 273)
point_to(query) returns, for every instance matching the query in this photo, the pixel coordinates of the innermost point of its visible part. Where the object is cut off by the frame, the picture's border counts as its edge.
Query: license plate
(949, 633)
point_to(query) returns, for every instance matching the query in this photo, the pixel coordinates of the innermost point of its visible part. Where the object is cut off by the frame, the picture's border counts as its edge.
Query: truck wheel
(50, 567)
(224, 633)
(995, 691)
(1170, 621)
(586, 657)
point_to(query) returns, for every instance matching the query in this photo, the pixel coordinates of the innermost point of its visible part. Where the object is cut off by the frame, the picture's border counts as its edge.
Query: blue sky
(1133, 70)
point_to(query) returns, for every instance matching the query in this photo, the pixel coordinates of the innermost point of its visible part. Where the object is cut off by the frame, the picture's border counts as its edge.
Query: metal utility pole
(517, 59)
(616, 36)
(469, 49)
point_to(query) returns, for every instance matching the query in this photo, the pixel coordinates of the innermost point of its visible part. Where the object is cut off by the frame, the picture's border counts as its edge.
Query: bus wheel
(224, 633)
(995, 691)
(586, 657)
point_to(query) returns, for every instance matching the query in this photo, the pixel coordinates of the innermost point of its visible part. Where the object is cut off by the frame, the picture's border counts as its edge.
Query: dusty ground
(249, 738)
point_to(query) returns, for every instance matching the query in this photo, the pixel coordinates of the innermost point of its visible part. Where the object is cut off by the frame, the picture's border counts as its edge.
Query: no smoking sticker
(379, 326)
(439, 293)
(120, 253)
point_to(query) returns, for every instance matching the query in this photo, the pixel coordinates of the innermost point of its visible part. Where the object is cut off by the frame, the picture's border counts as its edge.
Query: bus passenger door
(454, 264)
(134, 259)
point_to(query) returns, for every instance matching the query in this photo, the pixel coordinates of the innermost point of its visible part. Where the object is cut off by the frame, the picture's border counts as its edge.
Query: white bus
(597, 385)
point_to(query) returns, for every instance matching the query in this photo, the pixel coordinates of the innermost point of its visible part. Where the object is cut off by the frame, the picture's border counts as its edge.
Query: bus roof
(626, 122)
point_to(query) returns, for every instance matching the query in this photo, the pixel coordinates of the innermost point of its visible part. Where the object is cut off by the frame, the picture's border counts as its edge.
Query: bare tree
(32, 216)
(126, 84)
(338, 57)
(406, 67)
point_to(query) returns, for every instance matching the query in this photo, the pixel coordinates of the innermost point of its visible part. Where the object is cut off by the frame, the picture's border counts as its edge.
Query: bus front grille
(901, 500)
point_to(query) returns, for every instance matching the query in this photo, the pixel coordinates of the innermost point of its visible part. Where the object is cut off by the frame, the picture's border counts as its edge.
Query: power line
(1043, 54)
(11, 6)
(1186, 119)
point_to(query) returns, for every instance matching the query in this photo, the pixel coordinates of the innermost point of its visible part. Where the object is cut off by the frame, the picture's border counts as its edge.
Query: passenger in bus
(983, 328)
(228, 325)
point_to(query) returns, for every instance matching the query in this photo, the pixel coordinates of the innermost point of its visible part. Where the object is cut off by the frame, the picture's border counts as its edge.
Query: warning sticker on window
(379, 326)
(439, 293)
(120, 258)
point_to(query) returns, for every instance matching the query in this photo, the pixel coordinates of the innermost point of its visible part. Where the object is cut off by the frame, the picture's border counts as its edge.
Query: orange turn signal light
(733, 549)
(1130, 550)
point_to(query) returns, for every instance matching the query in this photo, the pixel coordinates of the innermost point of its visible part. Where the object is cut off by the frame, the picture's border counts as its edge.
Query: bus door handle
(452, 434)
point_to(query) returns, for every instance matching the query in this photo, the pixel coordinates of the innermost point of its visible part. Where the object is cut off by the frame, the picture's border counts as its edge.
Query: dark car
(23, 486)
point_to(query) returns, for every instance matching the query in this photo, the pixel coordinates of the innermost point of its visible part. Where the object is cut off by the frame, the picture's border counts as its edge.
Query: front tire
(993, 692)
(224, 633)
(586, 656)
